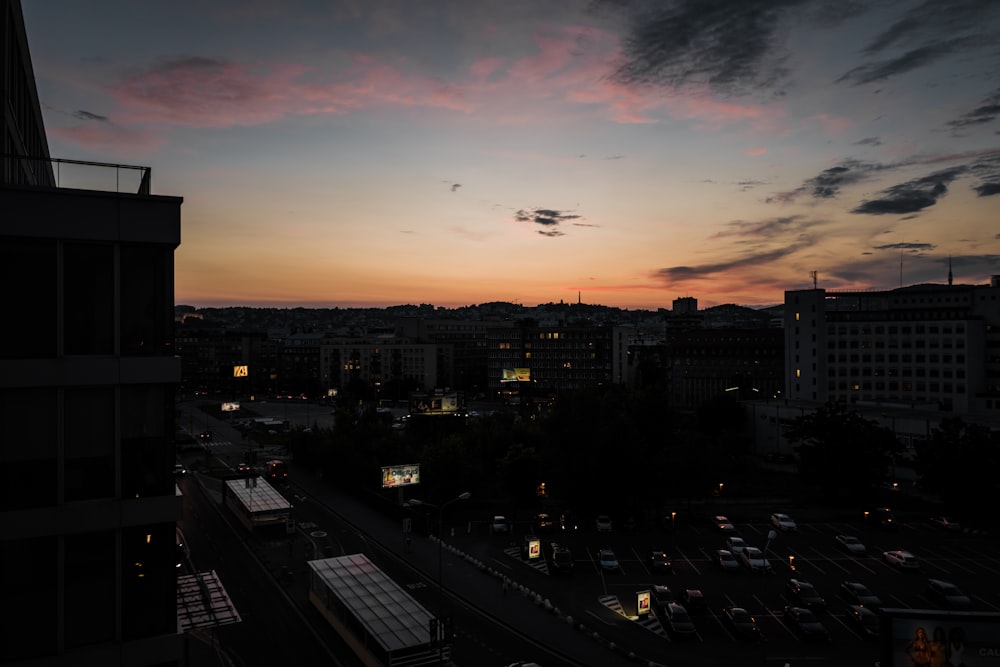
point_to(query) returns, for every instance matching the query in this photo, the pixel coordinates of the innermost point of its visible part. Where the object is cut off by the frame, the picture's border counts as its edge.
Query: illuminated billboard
(533, 546)
(241, 371)
(516, 375)
(435, 404)
(969, 638)
(642, 602)
(232, 406)
(395, 476)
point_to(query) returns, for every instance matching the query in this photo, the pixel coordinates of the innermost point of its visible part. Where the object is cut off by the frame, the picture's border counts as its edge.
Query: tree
(959, 464)
(847, 455)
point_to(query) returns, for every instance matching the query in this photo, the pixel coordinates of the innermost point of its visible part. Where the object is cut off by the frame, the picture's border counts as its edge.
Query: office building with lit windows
(932, 347)
(87, 375)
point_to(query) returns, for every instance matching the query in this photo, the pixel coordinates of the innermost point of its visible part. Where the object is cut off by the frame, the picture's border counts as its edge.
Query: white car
(735, 545)
(499, 524)
(784, 523)
(603, 523)
(851, 544)
(607, 560)
(753, 558)
(901, 558)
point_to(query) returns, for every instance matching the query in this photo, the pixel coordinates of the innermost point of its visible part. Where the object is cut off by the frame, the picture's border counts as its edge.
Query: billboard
(968, 638)
(396, 476)
(231, 406)
(435, 404)
(642, 602)
(516, 375)
(241, 371)
(533, 547)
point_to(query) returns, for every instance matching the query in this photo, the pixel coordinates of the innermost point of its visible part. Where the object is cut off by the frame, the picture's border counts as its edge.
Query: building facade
(88, 512)
(935, 347)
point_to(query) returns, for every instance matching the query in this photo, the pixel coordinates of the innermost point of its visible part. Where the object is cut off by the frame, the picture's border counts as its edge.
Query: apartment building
(89, 505)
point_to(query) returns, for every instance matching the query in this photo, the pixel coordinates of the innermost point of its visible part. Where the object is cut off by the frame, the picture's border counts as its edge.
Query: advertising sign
(534, 548)
(909, 636)
(435, 404)
(241, 371)
(516, 375)
(396, 476)
(231, 406)
(642, 602)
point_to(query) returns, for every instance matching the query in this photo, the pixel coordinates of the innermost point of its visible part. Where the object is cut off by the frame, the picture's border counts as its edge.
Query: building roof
(388, 613)
(260, 497)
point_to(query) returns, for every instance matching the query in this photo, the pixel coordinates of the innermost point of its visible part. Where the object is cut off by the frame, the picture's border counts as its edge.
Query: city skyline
(372, 154)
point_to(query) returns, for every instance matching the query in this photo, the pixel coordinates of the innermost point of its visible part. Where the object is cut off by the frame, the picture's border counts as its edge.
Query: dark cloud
(911, 60)
(828, 182)
(912, 196)
(987, 189)
(80, 114)
(931, 18)
(750, 184)
(906, 246)
(987, 112)
(868, 141)
(547, 218)
(749, 259)
(732, 45)
(765, 229)
(455, 186)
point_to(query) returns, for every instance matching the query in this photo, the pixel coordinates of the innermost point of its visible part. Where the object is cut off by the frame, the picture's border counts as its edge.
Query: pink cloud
(569, 66)
(833, 125)
(756, 152)
(121, 141)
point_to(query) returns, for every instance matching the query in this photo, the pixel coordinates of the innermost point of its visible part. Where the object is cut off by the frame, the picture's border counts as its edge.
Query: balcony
(75, 174)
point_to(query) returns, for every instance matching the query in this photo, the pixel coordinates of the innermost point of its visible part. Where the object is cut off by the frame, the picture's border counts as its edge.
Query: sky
(620, 152)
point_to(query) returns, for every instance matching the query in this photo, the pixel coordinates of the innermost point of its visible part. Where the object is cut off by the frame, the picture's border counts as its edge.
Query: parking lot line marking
(836, 617)
(830, 560)
(689, 562)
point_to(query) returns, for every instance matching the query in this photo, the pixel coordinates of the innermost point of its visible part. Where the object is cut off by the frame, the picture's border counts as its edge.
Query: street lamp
(413, 502)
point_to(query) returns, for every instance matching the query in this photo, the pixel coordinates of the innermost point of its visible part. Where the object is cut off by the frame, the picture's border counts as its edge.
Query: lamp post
(413, 502)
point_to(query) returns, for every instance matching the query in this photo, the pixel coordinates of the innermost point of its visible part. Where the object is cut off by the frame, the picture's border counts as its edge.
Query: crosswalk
(539, 564)
(648, 621)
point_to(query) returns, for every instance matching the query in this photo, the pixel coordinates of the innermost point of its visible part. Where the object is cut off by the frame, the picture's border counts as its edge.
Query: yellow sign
(241, 371)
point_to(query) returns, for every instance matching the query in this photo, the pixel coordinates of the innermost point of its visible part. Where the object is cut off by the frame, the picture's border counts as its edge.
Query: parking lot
(968, 559)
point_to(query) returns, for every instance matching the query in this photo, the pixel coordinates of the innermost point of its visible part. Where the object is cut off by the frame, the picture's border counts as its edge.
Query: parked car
(946, 523)
(851, 545)
(607, 560)
(562, 558)
(948, 595)
(901, 558)
(804, 594)
(735, 545)
(603, 523)
(884, 518)
(806, 624)
(864, 620)
(499, 524)
(205, 436)
(180, 470)
(679, 621)
(784, 523)
(858, 594)
(568, 522)
(662, 596)
(243, 468)
(659, 561)
(693, 600)
(726, 560)
(724, 525)
(544, 523)
(741, 623)
(753, 559)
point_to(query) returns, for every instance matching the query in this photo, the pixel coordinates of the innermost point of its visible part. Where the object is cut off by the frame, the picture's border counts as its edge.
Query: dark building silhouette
(88, 505)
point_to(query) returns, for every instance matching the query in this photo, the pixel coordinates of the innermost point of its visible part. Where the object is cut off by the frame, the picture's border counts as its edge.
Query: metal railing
(80, 174)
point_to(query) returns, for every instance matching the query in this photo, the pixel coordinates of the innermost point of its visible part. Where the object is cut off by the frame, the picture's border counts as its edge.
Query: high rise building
(88, 504)
(929, 346)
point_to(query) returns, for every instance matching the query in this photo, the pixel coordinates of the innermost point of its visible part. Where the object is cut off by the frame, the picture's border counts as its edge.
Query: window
(89, 443)
(28, 439)
(29, 594)
(90, 591)
(88, 307)
(31, 266)
(146, 300)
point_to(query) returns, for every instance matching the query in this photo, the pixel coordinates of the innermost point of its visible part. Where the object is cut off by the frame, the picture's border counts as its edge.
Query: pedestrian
(505, 583)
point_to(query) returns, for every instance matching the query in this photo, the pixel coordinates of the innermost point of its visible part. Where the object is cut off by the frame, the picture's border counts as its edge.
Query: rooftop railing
(79, 174)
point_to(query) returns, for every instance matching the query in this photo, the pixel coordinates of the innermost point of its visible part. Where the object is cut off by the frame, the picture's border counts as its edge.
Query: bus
(277, 471)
